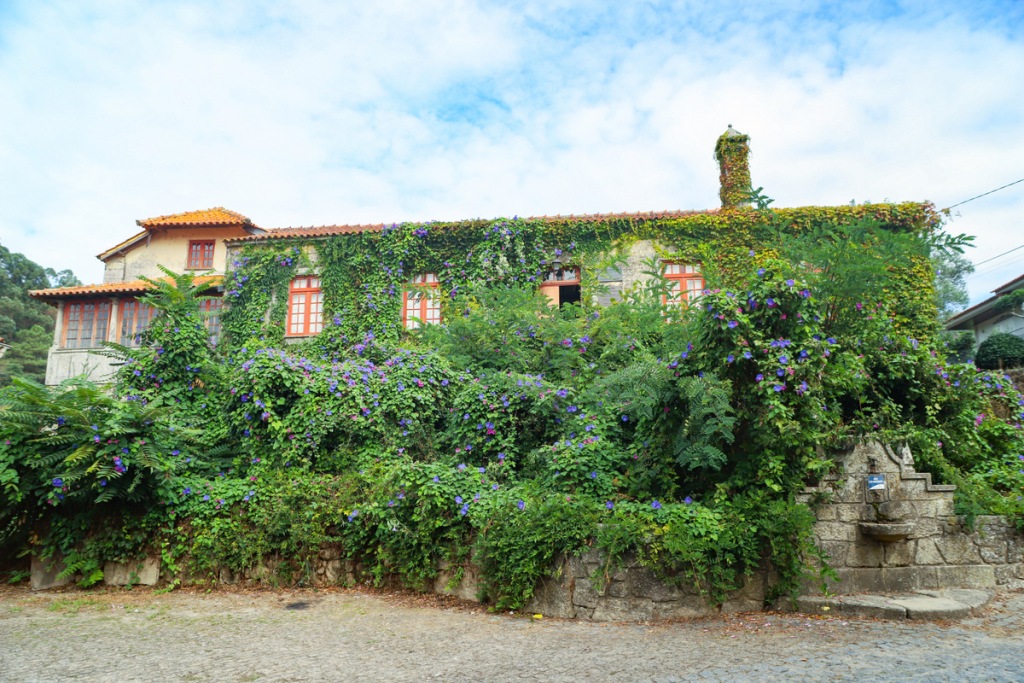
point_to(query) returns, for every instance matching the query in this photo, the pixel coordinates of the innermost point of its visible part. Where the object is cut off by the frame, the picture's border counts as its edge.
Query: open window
(685, 283)
(421, 302)
(305, 307)
(562, 286)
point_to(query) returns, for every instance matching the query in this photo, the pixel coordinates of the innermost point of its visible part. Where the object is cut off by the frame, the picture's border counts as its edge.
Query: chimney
(732, 151)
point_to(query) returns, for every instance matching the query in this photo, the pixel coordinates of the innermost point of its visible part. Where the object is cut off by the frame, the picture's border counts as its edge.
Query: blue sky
(310, 112)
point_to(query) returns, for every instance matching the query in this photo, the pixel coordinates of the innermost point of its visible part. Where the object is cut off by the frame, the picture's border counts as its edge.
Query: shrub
(1001, 350)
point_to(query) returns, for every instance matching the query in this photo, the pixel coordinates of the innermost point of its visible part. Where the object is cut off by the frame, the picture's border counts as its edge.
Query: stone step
(932, 605)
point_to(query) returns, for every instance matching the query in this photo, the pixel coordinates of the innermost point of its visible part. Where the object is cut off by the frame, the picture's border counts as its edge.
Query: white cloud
(326, 112)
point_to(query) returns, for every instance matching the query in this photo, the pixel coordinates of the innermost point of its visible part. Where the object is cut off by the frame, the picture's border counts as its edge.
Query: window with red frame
(86, 324)
(135, 318)
(562, 286)
(200, 254)
(305, 307)
(211, 317)
(421, 304)
(685, 283)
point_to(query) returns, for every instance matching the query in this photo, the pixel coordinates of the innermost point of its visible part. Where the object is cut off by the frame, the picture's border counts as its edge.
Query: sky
(310, 112)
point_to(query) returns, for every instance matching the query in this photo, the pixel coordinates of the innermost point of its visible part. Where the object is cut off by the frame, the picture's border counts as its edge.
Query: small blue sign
(876, 482)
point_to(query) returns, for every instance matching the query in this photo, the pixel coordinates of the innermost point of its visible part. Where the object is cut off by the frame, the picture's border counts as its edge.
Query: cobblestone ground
(343, 635)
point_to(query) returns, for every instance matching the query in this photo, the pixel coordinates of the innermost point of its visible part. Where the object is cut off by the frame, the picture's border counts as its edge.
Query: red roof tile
(215, 216)
(130, 287)
(326, 230)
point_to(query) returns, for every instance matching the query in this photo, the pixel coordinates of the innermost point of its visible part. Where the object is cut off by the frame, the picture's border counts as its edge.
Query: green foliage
(1001, 350)
(959, 346)
(521, 540)
(75, 448)
(517, 432)
(1011, 302)
(951, 271)
(26, 324)
(175, 362)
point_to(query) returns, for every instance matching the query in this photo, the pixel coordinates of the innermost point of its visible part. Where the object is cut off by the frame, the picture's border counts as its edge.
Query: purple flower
(593, 475)
(482, 470)
(656, 505)
(688, 500)
(462, 466)
(437, 479)
(609, 505)
(790, 283)
(730, 358)
(760, 272)
(458, 500)
(779, 387)
(58, 482)
(625, 418)
(733, 323)
(759, 377)
(521, 505)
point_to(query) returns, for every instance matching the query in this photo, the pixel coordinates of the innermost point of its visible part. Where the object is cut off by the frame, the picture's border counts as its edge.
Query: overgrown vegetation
(514, 432)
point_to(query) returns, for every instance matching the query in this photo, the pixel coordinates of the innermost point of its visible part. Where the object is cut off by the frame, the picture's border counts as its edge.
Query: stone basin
(887, 532)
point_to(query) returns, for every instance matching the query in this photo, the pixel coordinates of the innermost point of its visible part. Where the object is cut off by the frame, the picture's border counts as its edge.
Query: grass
(68, 606)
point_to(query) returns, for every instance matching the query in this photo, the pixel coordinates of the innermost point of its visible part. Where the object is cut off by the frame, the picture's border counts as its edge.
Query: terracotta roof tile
(130, 287)
(326, 230)
(218, 215)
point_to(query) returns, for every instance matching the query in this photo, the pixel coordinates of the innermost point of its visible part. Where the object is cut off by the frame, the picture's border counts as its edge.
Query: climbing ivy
(363, 273)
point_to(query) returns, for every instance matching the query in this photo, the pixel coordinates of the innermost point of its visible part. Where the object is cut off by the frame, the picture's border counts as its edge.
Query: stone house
(213, 242)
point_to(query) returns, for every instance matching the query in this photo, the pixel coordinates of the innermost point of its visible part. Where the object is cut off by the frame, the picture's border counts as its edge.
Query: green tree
(26, 324)
(951, 271)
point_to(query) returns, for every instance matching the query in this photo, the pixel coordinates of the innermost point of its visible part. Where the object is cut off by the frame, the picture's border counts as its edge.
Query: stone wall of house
(886, 528)
(62, 364)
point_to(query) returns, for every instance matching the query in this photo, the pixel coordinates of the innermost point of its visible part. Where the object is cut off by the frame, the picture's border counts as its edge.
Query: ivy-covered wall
(363, 272)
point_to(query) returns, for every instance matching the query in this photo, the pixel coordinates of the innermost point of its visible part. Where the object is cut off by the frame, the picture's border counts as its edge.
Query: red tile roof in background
(131, 287)
(218, 215)
(326, 230)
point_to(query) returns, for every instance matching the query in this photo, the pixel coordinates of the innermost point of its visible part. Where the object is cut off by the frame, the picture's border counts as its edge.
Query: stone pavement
(354, 635)
(937, 605)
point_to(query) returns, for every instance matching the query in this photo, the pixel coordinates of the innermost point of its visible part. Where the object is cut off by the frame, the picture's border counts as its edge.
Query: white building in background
(984, 320)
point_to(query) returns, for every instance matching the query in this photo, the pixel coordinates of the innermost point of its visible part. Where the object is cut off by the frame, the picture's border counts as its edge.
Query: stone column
(113, 331)
(58, 327)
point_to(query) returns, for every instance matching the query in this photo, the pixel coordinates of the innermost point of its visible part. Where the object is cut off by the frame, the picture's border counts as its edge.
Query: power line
(996, 268)
(983, 194)
(980, 263)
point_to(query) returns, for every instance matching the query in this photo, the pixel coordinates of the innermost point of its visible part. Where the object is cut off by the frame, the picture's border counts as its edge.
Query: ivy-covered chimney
(732, 151)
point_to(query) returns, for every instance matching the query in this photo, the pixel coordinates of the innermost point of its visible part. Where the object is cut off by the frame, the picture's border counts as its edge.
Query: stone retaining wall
(925, 546)
(939, 550)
